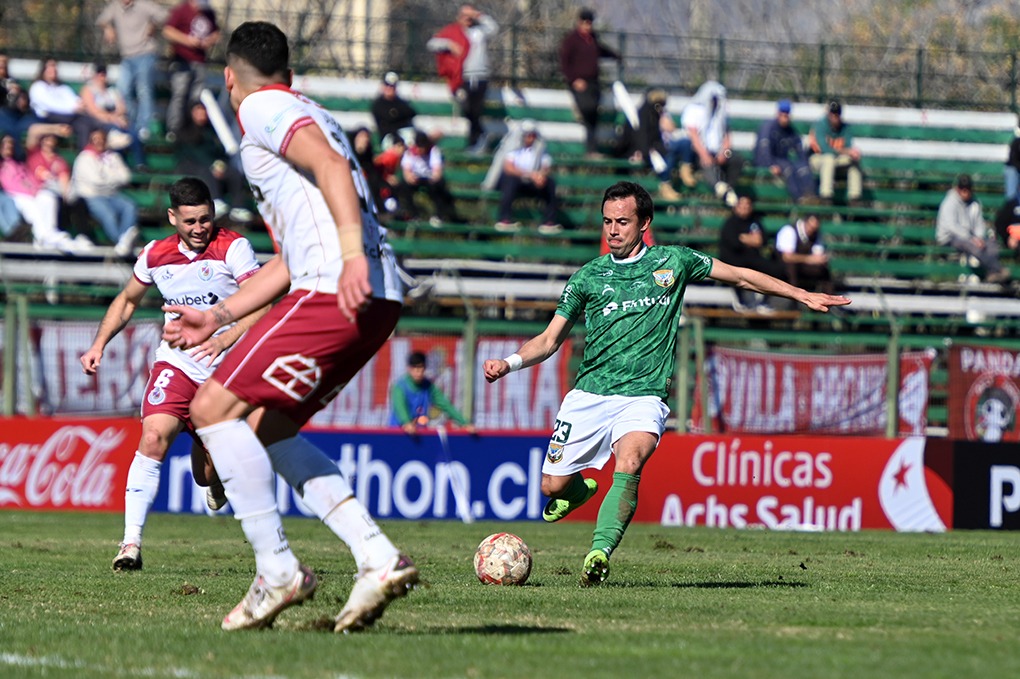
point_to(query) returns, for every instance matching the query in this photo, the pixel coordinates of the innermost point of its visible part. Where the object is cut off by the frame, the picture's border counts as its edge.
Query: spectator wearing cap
(961, 226)
(391, 112)
(832, 145)
(526, 172)
(580, 52)
(414, 398)
(780, 149)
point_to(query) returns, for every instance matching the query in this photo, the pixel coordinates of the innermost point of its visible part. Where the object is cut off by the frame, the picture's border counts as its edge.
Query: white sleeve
(270, 117)
(141, 269)
(240, 259)
(786, 239)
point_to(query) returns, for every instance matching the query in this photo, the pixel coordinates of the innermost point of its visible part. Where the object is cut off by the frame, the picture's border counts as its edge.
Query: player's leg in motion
(158, 432)
(250, 485)
(384, 574)
(632, 450)
(566, 493)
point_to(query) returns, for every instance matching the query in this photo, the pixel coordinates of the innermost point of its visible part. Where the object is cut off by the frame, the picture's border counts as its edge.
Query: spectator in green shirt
(833, 150)
(414, 397)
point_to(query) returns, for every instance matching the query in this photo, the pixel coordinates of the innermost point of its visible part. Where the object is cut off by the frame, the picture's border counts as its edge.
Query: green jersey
(632, 311)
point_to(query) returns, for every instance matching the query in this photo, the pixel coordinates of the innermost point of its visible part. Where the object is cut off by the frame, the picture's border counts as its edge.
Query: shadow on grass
(326, 625)
(739, 585)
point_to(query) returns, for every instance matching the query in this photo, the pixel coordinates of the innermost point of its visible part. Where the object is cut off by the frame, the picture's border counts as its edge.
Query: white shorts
(588, 425)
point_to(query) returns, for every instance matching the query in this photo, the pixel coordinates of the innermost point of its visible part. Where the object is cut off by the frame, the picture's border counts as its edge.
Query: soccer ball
(503, 559)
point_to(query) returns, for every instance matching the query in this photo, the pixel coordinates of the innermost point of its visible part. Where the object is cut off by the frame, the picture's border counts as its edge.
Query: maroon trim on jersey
(298, 124)
(276, 86)
(167, 252)
(245, 276)
(140, 280)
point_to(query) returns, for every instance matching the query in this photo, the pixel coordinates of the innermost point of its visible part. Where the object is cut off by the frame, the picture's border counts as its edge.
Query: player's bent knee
(554, 485)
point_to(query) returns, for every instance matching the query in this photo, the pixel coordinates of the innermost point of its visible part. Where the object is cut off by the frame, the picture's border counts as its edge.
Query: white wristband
(514, 361)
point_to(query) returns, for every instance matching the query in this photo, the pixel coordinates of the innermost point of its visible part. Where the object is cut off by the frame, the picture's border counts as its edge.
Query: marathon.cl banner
(793, 483)
(527, 399)
(772, 393)
(984, 394)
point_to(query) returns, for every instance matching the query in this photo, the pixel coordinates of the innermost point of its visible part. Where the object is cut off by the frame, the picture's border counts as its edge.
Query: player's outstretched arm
(748, 279)
(532, 352)
(116, 317)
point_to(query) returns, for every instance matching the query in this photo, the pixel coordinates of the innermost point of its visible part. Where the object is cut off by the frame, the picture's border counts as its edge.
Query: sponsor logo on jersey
(607, 288)
(166, 274)
(555, 453)
(663, 278)
(207, 299)
(156, 396)
(205, 271)
(606, 273)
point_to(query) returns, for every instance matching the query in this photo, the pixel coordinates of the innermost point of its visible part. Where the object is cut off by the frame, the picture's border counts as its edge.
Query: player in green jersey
(630, 300)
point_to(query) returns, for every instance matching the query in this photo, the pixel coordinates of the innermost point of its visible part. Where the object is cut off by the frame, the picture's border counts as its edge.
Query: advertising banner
(78, 465)
(988, 476)
(527, 399)
(984, 394)
(770, 393)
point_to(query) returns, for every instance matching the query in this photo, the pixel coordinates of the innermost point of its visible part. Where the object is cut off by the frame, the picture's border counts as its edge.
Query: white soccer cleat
(263, 603)
(129, 558)
(373, 591)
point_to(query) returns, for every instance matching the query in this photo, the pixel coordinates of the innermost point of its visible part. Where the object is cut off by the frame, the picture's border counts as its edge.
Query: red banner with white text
(772, 393)
(984, 394)
(77, 465)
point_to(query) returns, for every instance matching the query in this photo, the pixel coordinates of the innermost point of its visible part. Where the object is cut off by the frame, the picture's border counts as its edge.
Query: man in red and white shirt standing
(198, 265)
(342, 299)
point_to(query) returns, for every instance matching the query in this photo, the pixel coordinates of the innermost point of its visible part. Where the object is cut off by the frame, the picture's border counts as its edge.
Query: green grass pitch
(680, 602)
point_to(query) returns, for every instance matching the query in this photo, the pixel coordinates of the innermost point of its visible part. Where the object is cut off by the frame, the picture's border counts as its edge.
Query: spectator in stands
(98, 176)
(106, 105)
(12, 227)
(391, 112)
(743, 242)
(361, 142)
(1007, 223)
(708, 145)
(38, 206)
(832, 145)
(526, 172)
(414, 398)
(192, 31)
(654, 141)
(133, 26)
(18, 120)
(199, 152)
(388, 163)
(961, 226)
(780, 149)
(9, 87)
(54, 101)
(1011, 170)
(462, 59)
(802, 250)
(422, 166)
(580, 52)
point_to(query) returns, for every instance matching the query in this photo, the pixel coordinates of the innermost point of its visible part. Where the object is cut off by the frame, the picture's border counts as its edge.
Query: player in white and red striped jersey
(343, 302)
(199, 264)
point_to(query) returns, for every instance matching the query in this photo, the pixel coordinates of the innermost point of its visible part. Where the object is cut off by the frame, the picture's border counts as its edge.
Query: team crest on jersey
(555, 452)
(663, 278)
(205, 271)
(156, 396)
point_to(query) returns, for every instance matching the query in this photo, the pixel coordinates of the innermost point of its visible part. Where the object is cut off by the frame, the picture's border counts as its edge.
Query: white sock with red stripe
(141, 489)
(332, 500)
(250, 484)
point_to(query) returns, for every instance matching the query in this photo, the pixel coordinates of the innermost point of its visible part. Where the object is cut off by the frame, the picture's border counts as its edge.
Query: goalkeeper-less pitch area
(680, 602)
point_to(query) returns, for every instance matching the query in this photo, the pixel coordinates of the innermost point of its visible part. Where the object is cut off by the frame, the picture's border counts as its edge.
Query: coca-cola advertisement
(65, 464)
(984, 394)
(772, 393)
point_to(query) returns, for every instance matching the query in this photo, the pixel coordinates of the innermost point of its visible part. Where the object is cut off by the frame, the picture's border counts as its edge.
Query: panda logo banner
(984, 394)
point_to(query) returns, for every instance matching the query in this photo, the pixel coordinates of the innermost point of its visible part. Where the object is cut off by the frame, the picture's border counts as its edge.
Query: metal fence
(525, 53)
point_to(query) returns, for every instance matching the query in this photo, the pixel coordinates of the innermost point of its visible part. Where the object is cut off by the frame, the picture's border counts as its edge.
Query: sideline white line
(53, 661)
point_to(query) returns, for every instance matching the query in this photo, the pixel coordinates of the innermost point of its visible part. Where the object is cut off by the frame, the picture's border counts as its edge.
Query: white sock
(250, 485)
(332, 500)
(142, 486)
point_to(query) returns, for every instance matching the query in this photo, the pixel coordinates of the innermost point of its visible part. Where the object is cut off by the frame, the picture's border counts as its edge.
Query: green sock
(616, 511)
(575, 491)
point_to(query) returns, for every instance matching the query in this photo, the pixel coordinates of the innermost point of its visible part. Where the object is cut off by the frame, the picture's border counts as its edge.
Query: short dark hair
(416, 359)
(621, 190)
(262, 45)
(189, 191)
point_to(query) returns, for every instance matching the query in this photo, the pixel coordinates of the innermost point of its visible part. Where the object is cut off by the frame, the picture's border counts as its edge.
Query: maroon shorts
(299, 355)
(169, 391)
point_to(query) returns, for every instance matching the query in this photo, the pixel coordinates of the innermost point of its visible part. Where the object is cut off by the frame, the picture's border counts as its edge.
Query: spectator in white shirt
(526, 172)
(422, 167)
(98, 177)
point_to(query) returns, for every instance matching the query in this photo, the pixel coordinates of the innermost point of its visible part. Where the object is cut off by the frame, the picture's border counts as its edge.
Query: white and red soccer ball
(503, 559)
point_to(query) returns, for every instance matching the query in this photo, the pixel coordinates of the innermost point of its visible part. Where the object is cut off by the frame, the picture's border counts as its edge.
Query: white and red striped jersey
(289, 200)
(194, 279)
